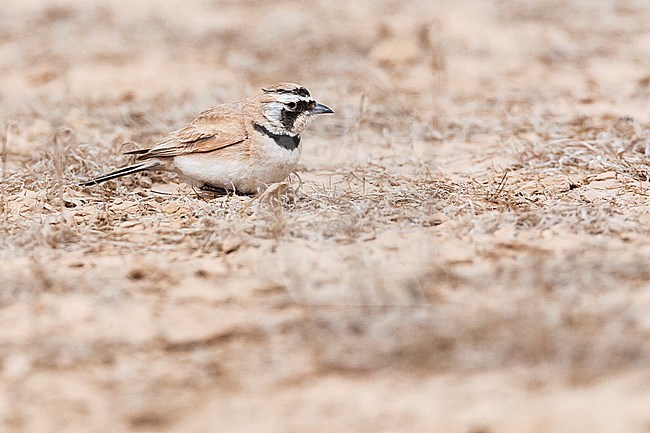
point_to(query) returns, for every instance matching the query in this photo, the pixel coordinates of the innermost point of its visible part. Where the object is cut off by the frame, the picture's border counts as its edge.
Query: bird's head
(288, 108)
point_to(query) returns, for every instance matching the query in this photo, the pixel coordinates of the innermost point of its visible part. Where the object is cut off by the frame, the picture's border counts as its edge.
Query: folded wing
(214, 129)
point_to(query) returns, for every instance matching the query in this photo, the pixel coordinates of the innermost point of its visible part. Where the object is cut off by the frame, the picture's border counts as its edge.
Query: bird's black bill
(320, 109)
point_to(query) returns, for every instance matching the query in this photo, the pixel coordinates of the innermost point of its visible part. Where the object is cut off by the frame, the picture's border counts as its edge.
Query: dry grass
(473, 221)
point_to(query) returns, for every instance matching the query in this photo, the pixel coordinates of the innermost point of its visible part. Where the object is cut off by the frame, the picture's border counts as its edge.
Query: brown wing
(213, 129)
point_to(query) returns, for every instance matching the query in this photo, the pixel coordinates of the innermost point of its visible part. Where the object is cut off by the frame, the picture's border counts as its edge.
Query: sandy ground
(466, 248)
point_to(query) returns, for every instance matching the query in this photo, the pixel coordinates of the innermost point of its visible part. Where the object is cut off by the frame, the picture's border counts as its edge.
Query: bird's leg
(223, 191)
(214, 189)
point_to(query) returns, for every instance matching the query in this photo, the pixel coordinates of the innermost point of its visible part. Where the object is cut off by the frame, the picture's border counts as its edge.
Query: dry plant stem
(4, 155)
(499, 190)
(363, 106)
(4, 150)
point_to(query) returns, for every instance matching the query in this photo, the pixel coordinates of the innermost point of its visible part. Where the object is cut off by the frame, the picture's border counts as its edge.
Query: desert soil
(465, 247)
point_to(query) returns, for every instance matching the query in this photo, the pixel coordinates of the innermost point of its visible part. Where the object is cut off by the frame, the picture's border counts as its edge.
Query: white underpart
(247, 176)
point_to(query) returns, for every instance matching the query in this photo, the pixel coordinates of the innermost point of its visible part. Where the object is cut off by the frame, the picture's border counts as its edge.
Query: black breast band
(289, 142)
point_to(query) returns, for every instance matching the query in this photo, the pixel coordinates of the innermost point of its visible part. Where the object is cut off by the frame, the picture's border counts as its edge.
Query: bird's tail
(129, 169)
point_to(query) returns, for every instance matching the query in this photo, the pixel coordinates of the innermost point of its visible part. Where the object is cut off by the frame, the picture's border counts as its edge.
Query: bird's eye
(292, 105)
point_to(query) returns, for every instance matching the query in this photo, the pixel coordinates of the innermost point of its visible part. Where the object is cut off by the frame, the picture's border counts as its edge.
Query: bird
(239, 147)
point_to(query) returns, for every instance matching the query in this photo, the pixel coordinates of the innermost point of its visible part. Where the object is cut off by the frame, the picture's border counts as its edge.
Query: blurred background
(416, 67)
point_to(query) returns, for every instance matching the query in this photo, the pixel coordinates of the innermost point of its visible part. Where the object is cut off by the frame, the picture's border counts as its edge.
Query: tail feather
(137, 152)
(130, 169)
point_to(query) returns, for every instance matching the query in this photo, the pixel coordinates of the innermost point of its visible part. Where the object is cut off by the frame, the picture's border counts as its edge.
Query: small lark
(242, 147)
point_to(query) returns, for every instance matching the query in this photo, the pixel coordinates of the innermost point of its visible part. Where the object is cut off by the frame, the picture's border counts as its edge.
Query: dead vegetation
(473, 222)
